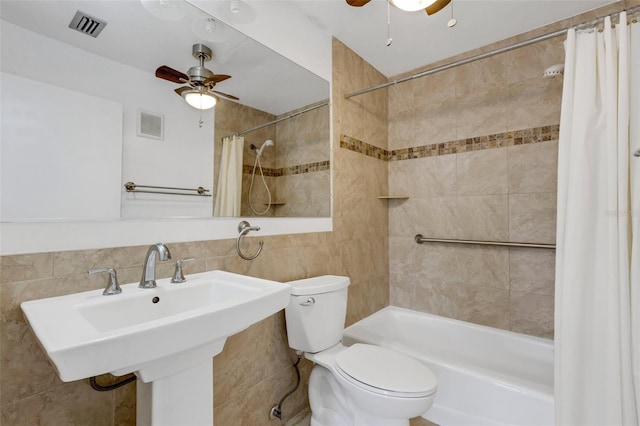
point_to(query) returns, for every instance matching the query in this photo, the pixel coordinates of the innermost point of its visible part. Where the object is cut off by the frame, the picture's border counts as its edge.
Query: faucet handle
(178, 276)
(112, 287)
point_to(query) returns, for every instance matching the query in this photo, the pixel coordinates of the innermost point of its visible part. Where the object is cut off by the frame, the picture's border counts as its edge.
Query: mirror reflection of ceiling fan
(430, 6)
(199, 92)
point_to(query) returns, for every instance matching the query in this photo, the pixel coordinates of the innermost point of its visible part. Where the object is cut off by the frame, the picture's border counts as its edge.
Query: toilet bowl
(357, 385)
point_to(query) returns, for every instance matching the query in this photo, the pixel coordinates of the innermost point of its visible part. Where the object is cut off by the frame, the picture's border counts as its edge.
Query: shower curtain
(597, 313)
(229, 190)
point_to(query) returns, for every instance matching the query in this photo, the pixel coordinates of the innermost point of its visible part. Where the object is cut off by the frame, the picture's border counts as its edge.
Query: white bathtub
(485, 376)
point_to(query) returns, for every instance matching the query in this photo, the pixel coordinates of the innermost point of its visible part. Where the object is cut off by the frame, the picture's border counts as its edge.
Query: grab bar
(244, 228)
(199, 191)
(420, 239)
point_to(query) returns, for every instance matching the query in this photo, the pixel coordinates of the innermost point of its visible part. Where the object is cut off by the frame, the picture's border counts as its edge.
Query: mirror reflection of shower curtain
(597, 313)
(229, 190)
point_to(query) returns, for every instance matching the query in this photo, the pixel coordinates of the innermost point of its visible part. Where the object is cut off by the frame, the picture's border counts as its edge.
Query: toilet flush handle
(310, 301)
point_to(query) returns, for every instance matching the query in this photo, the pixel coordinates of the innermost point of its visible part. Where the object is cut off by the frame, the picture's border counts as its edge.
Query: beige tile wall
(301, 142)
(254, 370)
(504, 193)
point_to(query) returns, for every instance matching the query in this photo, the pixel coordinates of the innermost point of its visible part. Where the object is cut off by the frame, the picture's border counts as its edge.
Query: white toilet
(357, 385)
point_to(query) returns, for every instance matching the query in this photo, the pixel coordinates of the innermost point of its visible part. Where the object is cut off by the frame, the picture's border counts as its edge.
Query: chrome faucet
(148, 279)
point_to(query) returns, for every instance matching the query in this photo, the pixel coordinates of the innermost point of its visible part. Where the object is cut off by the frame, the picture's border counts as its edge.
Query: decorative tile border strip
(291, 170)
(248, 169)
(497, 140)
(361, 147)
(318, 166)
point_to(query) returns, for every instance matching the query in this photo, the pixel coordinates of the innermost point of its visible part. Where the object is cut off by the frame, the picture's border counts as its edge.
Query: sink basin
(152, 332)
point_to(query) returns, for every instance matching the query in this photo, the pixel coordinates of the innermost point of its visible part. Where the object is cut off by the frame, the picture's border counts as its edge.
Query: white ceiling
(267, 81)
(419, 39)
(133, 36)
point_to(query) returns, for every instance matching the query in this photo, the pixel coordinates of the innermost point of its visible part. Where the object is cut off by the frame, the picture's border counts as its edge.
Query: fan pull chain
(453, 21)
(389, 39)
(200, 122)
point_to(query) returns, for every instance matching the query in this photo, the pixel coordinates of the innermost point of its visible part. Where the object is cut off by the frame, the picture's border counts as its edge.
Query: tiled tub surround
(254, 370)
(501, 194)
(303, 188)
(296, 168)
(499, 187)
(475, 149)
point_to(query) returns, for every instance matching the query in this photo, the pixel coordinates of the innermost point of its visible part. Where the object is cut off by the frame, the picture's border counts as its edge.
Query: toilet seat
(386, 372)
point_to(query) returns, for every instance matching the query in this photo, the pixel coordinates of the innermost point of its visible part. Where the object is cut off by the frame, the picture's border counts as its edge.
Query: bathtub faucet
(148, 279)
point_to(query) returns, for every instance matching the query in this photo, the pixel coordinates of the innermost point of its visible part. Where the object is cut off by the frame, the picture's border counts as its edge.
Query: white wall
(61, 153)
(312, 52)
(183, 159)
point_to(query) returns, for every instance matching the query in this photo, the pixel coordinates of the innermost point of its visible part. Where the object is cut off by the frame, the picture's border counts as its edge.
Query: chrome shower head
(554, 71)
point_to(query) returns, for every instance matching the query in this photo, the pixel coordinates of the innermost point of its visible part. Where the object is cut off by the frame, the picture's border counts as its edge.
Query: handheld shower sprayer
(266, 143)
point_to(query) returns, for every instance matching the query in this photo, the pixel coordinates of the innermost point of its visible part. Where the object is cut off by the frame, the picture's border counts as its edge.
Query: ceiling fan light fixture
(200, 98)
(412, 5)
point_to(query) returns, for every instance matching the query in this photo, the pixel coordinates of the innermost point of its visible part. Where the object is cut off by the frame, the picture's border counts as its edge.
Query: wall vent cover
(87, 24)
(150, 125)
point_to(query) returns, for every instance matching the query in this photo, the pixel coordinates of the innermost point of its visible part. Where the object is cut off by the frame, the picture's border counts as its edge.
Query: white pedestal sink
(167, 336)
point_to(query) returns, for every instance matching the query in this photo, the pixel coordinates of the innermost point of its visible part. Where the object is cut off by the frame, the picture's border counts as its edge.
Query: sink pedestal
(183, 397)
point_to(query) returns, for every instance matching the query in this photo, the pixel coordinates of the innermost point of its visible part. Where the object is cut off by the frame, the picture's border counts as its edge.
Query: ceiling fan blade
(357, 3)
(179, 90)
(217, 78)
(166, 73)
(226, 96)
(437, 6)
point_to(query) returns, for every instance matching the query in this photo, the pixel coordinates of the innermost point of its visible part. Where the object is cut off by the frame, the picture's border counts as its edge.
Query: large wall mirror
(82, 116)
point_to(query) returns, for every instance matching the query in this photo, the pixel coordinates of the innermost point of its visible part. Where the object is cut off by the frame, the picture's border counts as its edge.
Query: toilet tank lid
(318, 285)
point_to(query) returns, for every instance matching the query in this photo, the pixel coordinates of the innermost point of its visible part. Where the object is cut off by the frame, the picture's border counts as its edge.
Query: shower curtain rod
(484, 55)
(277, 120)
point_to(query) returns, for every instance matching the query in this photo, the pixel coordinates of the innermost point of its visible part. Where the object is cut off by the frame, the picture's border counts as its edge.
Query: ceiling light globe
(200, 100)
(412, 5)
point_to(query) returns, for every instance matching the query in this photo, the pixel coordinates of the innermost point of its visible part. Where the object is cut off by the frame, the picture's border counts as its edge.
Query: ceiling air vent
(87, 24)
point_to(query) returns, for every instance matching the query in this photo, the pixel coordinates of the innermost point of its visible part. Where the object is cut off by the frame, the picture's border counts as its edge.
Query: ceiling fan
(430, 6)
(200, 81)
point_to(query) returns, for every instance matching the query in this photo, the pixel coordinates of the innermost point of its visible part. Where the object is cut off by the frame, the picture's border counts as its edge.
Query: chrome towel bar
(420, 239)
(198, 192)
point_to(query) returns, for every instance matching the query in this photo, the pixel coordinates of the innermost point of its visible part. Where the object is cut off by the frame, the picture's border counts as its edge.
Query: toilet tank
(316, 312)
